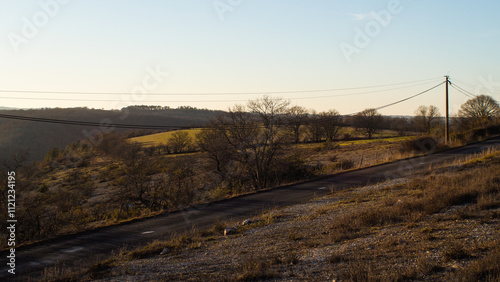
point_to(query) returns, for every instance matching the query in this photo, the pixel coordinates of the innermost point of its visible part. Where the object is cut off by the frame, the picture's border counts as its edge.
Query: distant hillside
(38, 138)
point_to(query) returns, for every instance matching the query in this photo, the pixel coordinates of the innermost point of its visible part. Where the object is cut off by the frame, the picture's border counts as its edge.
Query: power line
(460, 90)
(465, 83)
(211, 101)
(159, 127)
(475, 87)
(405, 99)
(94, 124)
(360, 93)
(212, 93)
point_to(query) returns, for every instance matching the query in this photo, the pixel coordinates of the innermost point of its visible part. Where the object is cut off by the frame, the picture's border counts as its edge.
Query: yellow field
(365, 141)
(162, 138)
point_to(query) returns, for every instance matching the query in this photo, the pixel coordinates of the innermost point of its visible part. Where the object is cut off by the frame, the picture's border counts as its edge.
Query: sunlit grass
(162, 138)
(367, 141)
(358, 142)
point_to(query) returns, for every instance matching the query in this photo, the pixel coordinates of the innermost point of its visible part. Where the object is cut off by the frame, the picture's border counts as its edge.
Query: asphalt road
(81, 248)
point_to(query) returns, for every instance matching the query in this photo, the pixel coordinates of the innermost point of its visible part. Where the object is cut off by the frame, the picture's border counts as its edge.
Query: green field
(162, 138)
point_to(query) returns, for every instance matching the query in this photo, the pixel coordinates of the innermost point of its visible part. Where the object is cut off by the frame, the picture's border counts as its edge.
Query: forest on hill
(37, 138)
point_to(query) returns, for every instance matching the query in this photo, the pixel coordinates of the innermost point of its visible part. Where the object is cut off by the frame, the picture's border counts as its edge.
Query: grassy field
(159, 139)
(162, 138)
(359, 142)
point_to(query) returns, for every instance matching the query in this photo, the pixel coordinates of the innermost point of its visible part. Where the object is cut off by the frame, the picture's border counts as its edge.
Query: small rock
(165, 251)
(247, 222)
(230, 230)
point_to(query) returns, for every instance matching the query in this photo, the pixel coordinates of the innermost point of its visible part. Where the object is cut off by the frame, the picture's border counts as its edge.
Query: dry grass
(486, 268)
(343, 156)
(255, 268)
(159, 139)
(444, 226)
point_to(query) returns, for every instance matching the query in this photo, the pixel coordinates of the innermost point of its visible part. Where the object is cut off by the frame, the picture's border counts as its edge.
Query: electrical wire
(359, 93)
(463, 92)
(212, 101)
(405, 99)
(159, 127)
(213, 93)
(94, 124)
(465, 83)
(475, 87)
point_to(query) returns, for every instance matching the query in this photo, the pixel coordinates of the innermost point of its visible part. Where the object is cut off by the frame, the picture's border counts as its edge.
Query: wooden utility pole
(447, 125)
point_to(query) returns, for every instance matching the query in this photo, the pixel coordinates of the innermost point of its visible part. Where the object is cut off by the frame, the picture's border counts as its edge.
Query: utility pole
(447, 125)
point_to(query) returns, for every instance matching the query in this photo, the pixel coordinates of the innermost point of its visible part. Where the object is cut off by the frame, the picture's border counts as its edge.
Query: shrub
(99, 270)
(255, 269)
(455, 252)
(425, 145)
(344, 164)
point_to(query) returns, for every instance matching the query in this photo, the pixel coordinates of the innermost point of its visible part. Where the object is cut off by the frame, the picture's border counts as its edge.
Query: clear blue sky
(247, 46)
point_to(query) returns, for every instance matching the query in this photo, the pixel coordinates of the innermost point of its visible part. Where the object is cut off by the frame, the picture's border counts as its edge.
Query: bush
(52, 154)
(293, 168)
(425, 145)
(344, 164)
(99, 270)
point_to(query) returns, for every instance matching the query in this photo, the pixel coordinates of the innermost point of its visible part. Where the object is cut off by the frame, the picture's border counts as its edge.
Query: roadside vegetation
(250, 147)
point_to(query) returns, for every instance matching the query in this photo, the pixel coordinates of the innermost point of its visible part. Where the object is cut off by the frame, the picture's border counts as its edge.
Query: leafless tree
(180, 142)
(212, 140)
(297, 116)
(426, 118)
(138, 184)
(401, 125)
(368, 121)
(271, 112)
(255, 140)
(330, 122)
(315, 129)
(479, 110)
(181, 187)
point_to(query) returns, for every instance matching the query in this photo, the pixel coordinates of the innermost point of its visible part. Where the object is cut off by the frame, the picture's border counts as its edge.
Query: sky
(218, 53)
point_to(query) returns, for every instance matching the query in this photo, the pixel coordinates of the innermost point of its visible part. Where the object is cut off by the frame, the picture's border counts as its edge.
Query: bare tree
(271, 111)
(401, 125)
(181, 187)
(180, 141)
(479, 110)
(330, 122)
(137, 184)
(426, 118)
(297, 117)
(251, 142)
(212, 140)
(368, 121)
(315, 129)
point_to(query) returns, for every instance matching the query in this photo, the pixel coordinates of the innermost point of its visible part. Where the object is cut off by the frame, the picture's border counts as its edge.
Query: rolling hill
(19, 135)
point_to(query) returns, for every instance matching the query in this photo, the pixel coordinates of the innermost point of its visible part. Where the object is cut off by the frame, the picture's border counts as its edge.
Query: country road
(31, 260)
